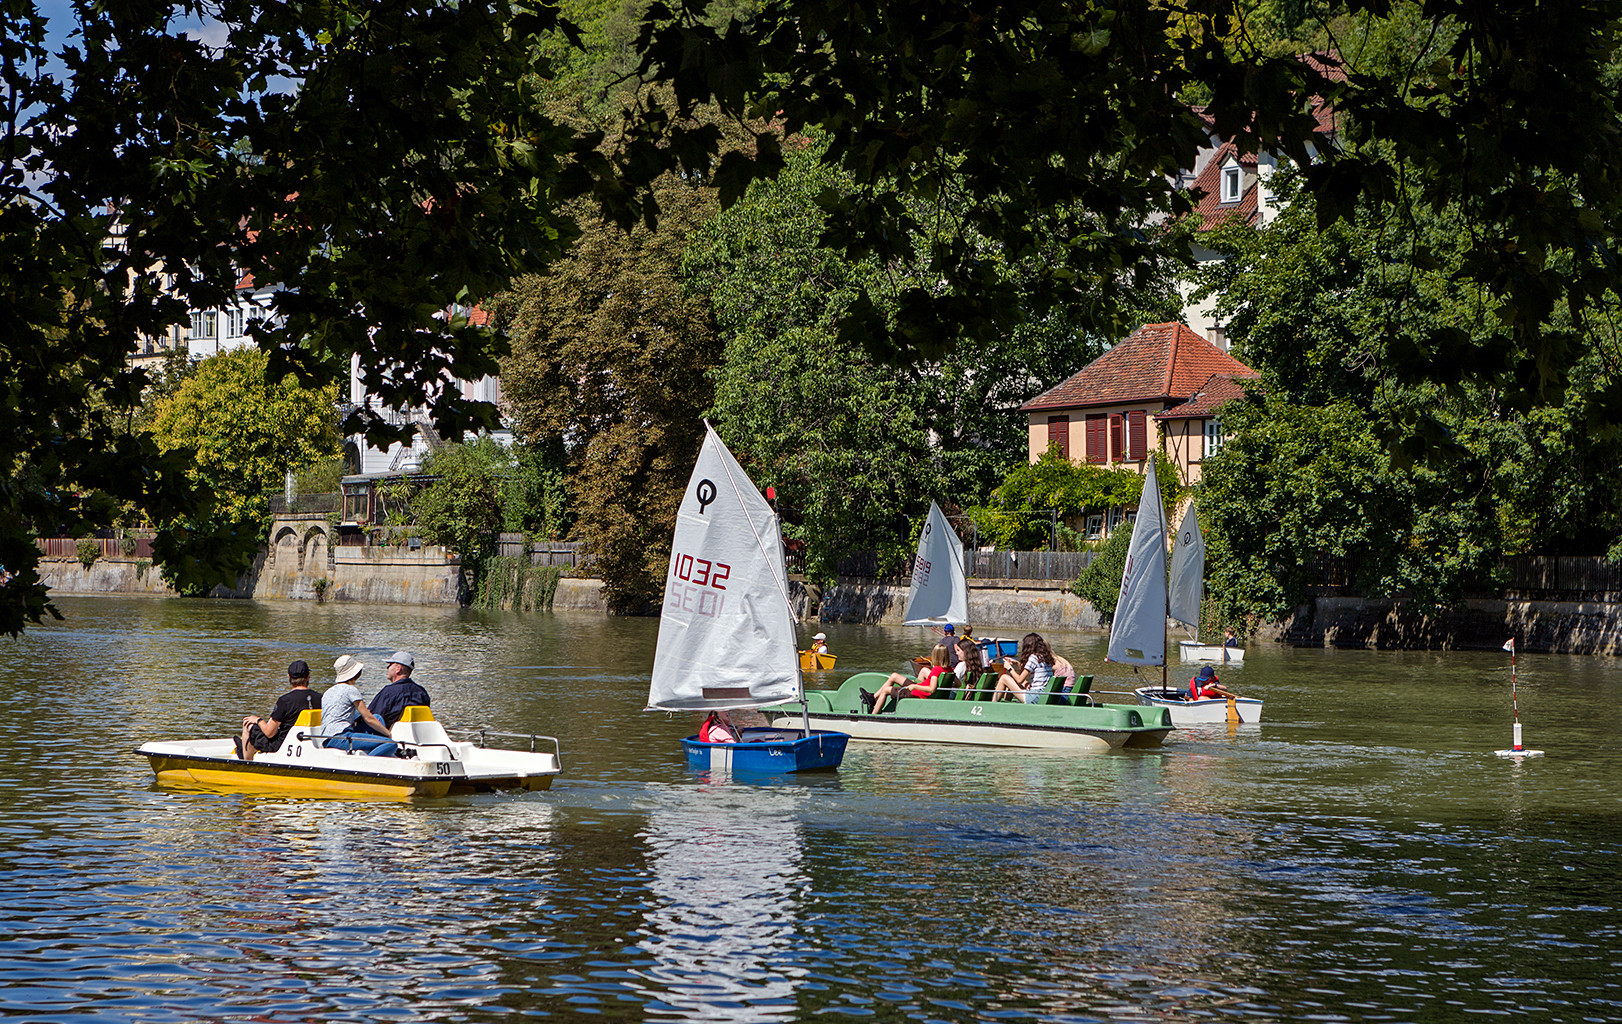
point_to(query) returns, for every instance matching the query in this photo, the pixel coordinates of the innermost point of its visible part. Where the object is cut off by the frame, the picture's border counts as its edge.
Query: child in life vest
(717, 729)
(1206, 684)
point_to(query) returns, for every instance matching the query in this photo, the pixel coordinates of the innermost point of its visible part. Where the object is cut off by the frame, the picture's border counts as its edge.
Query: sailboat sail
(727, 629)
(1138, 632)
(1188, 572)
(940, 588)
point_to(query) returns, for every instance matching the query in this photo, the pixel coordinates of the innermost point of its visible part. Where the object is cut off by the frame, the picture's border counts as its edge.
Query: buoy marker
(1517, 751)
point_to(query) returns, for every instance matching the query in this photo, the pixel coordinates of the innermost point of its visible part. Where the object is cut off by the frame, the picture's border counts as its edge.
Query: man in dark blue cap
(266, 732)
(402, 691)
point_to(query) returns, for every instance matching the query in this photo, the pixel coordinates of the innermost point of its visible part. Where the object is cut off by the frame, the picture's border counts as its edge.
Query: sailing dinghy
(1138, 631)
(964, 712)
(727, 627)
(1187, 591)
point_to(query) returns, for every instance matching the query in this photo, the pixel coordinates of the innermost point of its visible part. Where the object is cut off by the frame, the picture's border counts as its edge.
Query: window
(1213, 436)
(1230, 183)
(1097, 439)
(1059, 434)
(1137, 436)
(202, 326)
(235, 322)
(1095, 527)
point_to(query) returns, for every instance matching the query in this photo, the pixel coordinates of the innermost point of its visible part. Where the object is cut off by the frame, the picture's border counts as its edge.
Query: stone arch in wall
(285, 550)
(314, 555)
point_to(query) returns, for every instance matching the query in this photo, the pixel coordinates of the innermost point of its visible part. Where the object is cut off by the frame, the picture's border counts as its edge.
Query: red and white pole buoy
(1517, 750)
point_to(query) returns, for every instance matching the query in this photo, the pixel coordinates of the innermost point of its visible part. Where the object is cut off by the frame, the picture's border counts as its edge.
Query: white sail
(726, 629)
(1188, 572)
(1138, 633)
(940, 587)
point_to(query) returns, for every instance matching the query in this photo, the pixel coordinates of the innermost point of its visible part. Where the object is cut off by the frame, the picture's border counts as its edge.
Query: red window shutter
(1137, 435)
(1059, 434)
(1097, 439)
(1117, 437)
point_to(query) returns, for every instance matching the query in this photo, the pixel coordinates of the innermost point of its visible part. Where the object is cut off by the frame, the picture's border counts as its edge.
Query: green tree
(240, 433)
(1072, 120)
(381, 162)
(462, 509)
(1326, 315)
(1100, 583)
(858, 448)
(1018, 514)
(611, 359)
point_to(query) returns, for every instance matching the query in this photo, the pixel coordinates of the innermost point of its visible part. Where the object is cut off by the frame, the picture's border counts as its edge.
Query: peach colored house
(1160, 389)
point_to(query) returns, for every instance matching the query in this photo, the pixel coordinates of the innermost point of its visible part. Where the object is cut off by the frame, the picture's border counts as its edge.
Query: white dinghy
(1187, 593)
(1138, 632)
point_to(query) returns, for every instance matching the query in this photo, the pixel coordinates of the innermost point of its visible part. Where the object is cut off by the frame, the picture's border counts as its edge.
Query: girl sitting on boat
(1028, 675)
(928, 679)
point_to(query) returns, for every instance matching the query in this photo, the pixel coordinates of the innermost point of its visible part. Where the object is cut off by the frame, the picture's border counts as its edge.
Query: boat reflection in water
(722, 923)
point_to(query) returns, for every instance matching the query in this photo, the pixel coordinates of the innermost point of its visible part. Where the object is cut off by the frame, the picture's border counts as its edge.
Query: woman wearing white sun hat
(343, 706)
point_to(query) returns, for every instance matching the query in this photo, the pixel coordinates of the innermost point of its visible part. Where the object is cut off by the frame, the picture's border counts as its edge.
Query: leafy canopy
(240, 434)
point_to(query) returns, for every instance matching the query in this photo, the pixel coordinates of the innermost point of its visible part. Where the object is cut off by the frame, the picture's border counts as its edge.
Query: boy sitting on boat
(1205, 684)
(266, 733)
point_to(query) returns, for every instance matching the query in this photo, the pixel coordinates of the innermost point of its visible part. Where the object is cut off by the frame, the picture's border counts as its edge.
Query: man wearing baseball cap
(265, 733)
(402, 691)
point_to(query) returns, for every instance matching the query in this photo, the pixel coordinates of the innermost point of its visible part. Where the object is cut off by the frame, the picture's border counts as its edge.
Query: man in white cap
(402, 691)
(343, 706)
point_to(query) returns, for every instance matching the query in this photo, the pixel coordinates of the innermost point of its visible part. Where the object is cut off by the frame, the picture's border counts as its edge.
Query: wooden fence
(985, 565)
(1563, 574)
(111, 547)
(542, 552)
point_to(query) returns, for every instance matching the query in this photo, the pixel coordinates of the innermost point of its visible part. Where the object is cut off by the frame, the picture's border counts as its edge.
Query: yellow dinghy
(418, 759)
(811, 661)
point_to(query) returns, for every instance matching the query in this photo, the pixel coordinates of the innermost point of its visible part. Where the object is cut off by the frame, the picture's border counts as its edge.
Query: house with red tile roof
(1232, 187)
(1159, 390)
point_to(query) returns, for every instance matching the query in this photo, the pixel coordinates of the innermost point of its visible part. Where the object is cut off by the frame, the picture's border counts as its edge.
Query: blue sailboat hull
(770, 752)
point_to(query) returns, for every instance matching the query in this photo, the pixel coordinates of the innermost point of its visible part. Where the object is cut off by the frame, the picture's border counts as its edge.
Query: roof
(1221, 389)
(1208, 179)
(1155, 362)
(1212, 210)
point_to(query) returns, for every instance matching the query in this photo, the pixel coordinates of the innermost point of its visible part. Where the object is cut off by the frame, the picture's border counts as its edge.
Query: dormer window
(1230, 183)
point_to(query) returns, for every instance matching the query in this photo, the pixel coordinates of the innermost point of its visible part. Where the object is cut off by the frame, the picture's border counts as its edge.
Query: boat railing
(483, 733)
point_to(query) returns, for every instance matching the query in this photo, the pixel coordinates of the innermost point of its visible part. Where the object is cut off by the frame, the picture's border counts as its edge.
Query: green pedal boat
(1067, 721)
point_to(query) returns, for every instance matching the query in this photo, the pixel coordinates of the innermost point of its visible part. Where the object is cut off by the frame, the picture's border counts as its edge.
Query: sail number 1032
(697, 585)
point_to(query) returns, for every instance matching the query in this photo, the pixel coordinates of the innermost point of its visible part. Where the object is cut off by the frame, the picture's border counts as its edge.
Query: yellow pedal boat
(418, 759)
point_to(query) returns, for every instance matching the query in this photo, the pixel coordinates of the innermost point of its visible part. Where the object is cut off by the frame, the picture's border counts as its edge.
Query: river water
(1362, 856)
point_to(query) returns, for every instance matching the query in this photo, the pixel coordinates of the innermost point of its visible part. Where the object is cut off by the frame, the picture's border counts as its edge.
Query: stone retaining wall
(1022, 605)
(105, 576)
(1562, 627)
